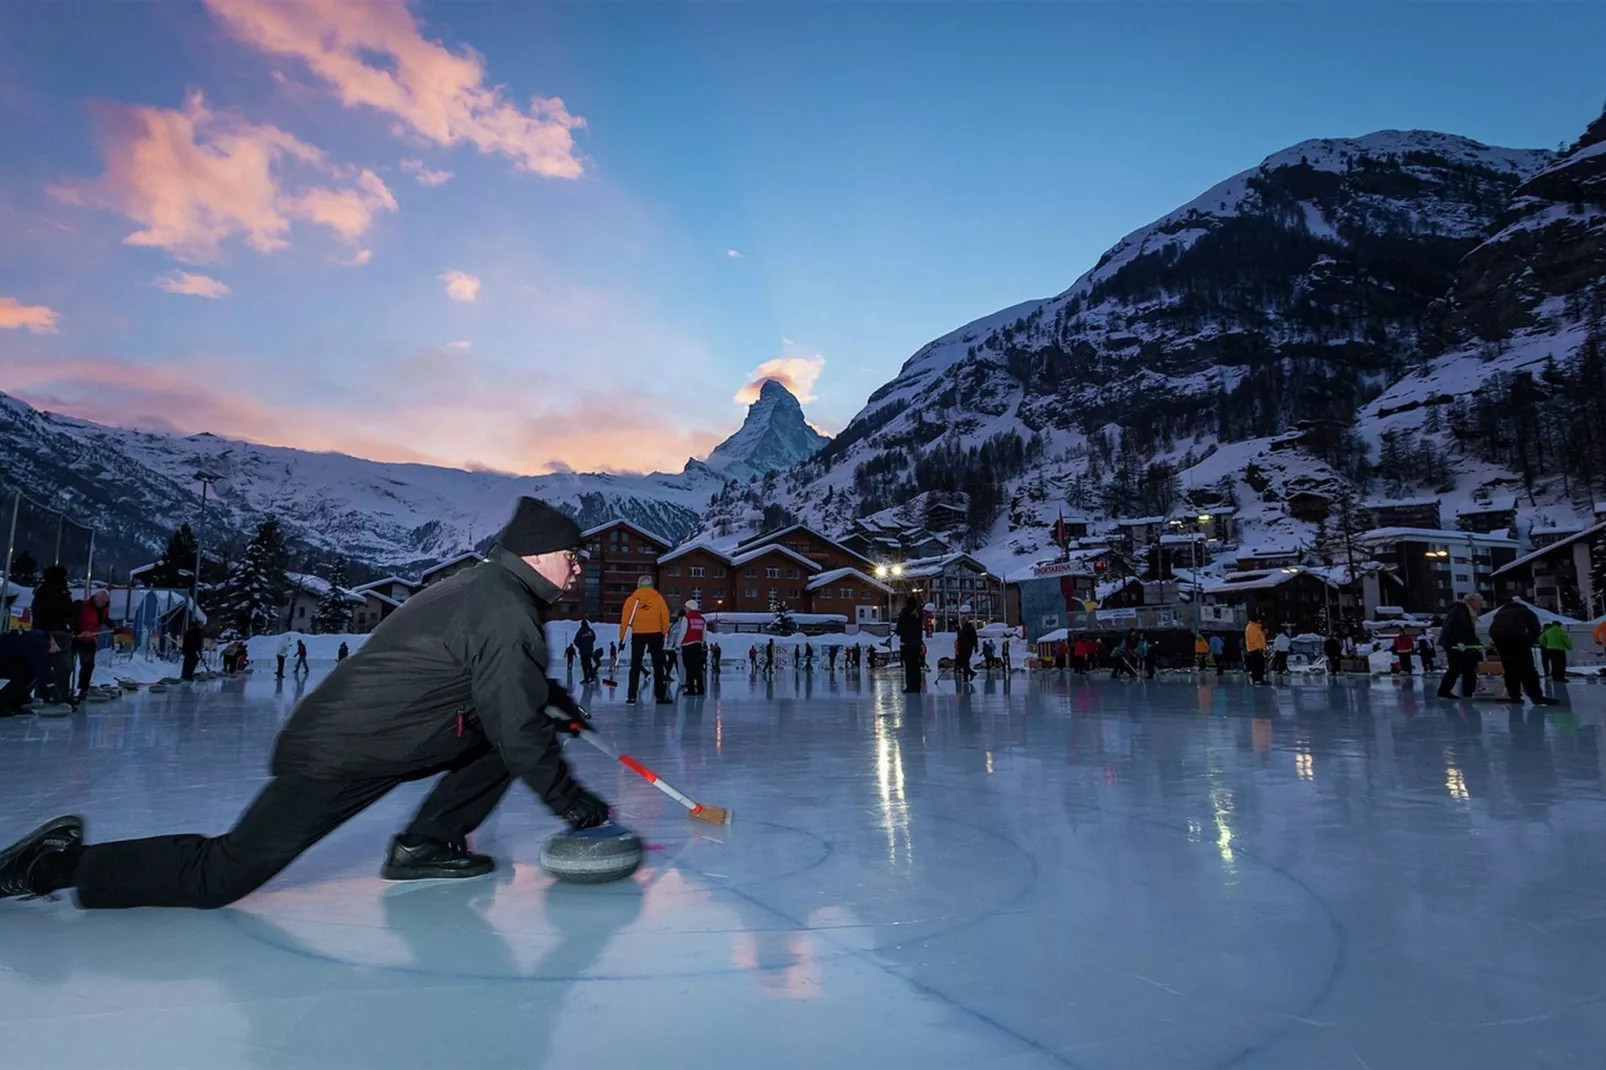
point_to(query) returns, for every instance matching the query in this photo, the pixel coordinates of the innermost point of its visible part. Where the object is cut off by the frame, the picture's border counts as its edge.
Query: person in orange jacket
(646, 618)
(1255, 651)
(1599, 634)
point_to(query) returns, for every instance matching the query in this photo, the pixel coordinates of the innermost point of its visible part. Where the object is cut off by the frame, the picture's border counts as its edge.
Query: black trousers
(1279, 660)
(695, 659)
(60, 668)
(1256, 660)
(1555, 664)
(19, 679)
(588, 665)
(1517, 660)
(1405, 660)
(191, 661)
(962, 669)
(85, 650)
(1459, 665)
(641, 647)
(913, 678)
(290, 815)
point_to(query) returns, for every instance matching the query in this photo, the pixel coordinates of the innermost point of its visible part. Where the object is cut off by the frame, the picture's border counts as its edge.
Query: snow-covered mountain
(1246, 329)
(772, 438)
(137, 486)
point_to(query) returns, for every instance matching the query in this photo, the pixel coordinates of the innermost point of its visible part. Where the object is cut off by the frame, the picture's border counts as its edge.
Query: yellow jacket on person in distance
(651, 614)
(1254, 636)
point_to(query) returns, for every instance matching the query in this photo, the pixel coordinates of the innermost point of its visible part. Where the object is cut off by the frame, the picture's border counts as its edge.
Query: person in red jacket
(690, 635)
(1404, 647)
(89, 625)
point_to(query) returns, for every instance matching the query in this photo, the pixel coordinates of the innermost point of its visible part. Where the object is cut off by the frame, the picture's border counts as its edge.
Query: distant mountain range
(137, 486)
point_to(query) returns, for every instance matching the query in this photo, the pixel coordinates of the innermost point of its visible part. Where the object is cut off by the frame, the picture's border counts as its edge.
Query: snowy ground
(1044, 873)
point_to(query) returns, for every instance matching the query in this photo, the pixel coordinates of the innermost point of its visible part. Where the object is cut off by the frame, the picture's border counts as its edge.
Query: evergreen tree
(25, 570)
(333, 614)
(783, 625)
(177, 560)
(253, 595)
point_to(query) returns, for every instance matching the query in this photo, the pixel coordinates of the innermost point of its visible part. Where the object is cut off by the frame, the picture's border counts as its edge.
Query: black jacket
(52, 608)
(456, 665)
(1516, 624)
(1458, 628)
(911, 627)
(965, 642)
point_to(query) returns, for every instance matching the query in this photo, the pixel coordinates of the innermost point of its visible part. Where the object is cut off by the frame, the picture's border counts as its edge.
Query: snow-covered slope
(772, 438)
(136, 486)
(1287, 296)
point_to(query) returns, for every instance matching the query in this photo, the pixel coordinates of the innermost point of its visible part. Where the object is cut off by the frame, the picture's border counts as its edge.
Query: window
(793, 592)
(698, 572)
(674, 592)
(613, 538)
(792, 574)
(774, 594)
(846, 592)
(751, 592)
(825, 594)
(772, 573)
(674, 570)
(751, 573)
(301, 612)
(697, 593)
(719, 592)
(719, 572)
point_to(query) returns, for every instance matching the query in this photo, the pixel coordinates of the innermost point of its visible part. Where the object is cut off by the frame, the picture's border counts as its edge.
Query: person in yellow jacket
(646, 617)
(1255, 651)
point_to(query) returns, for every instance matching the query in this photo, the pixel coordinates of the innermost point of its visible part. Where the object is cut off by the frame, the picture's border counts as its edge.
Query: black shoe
(1547, 702)
(1447, 695)
(434, 860)
(631, 701)
(18, 861)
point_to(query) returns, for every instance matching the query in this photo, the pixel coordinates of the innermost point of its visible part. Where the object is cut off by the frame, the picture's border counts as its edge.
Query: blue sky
(885, 173)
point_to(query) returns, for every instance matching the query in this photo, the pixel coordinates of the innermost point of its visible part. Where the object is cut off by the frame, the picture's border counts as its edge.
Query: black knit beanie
(537, 528)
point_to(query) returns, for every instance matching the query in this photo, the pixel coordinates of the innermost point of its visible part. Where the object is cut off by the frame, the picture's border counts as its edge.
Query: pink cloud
(357, 259)
(15, 315)
(191, 284)
(426, 176)
(461, 286)
(795, 369)
(374, 55)
(193, 178)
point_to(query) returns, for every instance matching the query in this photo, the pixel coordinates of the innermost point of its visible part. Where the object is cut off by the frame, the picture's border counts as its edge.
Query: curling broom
(613, 670)
(697, 811)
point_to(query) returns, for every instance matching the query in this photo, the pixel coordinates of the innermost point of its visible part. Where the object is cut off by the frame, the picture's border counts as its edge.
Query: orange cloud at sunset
(794, 369)
(193, 178)
(15, 315)
(191, 284)
(373, 55)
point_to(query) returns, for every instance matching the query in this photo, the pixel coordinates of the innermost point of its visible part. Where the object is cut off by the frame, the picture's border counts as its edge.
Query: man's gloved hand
(587, 812)
(561, 707)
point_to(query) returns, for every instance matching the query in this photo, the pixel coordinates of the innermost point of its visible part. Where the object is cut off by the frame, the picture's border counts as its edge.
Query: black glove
(561, 707)
(587, 812)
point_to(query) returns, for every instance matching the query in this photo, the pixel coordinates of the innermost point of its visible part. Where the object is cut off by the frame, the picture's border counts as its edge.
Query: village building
(1437, 567)
(1558, 576)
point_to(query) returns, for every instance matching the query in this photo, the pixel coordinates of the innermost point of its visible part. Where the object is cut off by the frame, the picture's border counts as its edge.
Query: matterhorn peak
(772, 438)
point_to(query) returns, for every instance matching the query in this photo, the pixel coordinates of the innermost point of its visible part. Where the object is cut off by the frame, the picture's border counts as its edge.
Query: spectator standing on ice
(1005, 652)
(769, 657)
(1333, 651)
(1280, 648)
(585, 644)
(646, 619)
(454, 682)
(92, 614)
(1554, 643)
(343, 653)
(568, 660)
(830, 657)
(1151, 656)
(1599, 635)
(1255, 651)
(715, 656)
(808, 657)
(1403, 649)
(53, 615)
(911, 635)
(1459, 641)
(1201, 651)
(965, 649)
(194, 643)
(691, 635)
(281, 652)
(1515, 630)
(301, 657)
(1218, 654)
(1424, 654)
(752, 659)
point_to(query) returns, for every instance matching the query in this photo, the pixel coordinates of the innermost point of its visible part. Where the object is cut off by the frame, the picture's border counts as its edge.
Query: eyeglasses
(577, 558)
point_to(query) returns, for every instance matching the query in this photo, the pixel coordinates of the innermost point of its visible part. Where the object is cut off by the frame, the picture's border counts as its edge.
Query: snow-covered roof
(411, 585)
(1250, 553)
(1502, 505)
(1261, 581)
(771, 548)
(466, 555)
(1184, 540)
(1435, 535)
(1551, 548)
(622, 522)
(1138, 521)
(1195, 514)
(921, 567)
(825, 579)
(765, 618)
(317, 585)
(692, 547)
(385, 598)
(772, 536)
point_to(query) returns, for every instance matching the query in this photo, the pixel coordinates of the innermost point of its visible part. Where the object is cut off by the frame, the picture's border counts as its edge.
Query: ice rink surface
(1045, 874)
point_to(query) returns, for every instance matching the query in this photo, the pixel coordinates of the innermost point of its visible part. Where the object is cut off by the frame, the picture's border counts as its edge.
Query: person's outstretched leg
(290, 815)
(463, 798)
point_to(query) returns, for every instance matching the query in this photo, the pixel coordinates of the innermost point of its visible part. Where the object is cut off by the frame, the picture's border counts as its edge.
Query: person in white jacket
(282, 651)
(1280, 648)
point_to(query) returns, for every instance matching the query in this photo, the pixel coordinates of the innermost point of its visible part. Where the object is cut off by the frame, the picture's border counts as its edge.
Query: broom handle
(642, 771)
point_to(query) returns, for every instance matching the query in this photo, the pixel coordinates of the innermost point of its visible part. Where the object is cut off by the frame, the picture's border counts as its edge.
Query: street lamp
(205, 479)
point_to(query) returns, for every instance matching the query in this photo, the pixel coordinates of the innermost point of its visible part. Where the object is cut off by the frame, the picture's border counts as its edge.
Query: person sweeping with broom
(453, 682)
(646, 620)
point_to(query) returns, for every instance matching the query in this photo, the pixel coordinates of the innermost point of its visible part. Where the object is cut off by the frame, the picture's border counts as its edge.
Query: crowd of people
(54, 659)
